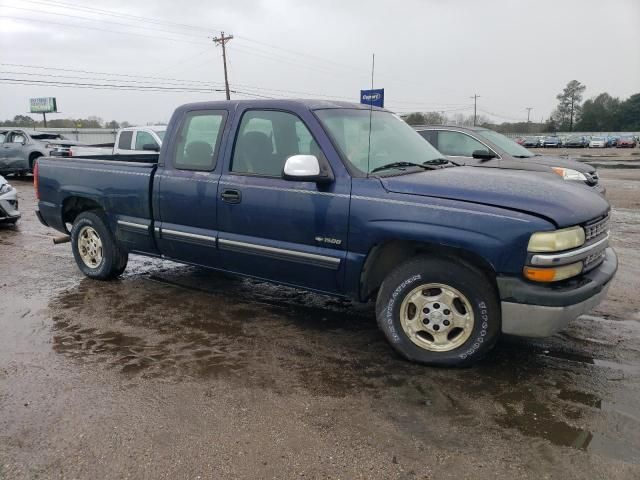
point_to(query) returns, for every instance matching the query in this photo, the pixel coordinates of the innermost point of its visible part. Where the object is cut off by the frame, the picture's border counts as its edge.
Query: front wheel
(94, 247)
(438, 311)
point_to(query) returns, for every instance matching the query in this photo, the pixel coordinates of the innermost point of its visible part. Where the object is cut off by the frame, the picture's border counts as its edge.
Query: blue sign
(372, 97)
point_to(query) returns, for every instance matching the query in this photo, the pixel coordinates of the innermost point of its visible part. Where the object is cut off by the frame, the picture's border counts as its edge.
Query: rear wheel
(94, 247)
(439, 311)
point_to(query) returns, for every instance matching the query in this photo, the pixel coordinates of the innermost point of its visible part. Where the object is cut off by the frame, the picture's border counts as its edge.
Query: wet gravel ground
(176, 372)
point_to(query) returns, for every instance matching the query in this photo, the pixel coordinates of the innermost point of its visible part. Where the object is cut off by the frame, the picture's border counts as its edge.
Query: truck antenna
(373, 67)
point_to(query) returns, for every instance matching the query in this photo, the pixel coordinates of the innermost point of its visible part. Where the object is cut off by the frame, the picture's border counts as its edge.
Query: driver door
(291, 232)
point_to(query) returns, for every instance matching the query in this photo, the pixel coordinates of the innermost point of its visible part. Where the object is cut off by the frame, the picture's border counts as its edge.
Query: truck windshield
(506, 144)
(160, 133)
(392, 140)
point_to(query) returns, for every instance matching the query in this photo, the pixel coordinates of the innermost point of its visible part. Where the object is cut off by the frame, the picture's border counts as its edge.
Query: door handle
(231, 196)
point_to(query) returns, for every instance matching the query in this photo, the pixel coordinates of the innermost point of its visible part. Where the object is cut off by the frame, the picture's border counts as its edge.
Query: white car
(8, 202)
(598, 142)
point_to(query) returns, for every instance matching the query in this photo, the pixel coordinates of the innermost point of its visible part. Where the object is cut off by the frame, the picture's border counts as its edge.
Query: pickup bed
(350, 201)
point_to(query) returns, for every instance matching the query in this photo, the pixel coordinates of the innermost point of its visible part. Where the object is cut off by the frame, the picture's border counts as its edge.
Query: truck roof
(311, 104)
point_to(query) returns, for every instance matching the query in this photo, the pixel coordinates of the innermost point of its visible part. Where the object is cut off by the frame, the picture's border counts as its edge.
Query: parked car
(552, 141)
(577, 142)
(8, 202)
(532, 142)
(480, 147)
(129, 141)
(612, 141)
(598, 142)
(20, 148)
(626, 141)
(350, 201)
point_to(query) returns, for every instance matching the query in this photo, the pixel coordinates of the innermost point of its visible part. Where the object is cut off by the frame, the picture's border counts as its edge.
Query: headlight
(50, 146)
(5, 188)
(557, 240)
(569, 174)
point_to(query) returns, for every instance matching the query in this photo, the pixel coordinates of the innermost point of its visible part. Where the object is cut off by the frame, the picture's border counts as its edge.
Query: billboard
(372, 97)
(43, 105)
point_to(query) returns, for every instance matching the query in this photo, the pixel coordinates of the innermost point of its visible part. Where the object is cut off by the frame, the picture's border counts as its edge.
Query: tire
(94, 247)
(473, 297)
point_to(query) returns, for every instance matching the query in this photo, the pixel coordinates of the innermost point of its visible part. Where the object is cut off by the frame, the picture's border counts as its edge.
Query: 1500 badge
(331, 241)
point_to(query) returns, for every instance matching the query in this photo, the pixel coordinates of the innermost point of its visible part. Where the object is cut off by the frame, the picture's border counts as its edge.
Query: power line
(44, 12)
(187, 84)
(87, 27)
(113, 13)
(156, 21)
(37, 67)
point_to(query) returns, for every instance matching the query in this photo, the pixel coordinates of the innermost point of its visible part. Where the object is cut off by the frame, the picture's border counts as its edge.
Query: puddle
(183, 322)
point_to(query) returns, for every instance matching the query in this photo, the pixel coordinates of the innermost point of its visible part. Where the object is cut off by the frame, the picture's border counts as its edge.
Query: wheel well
(385, 257)
(74, 206)
(32, 158)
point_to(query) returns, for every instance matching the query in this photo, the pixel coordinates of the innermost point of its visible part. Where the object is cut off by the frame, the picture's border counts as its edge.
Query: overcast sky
(430, 55)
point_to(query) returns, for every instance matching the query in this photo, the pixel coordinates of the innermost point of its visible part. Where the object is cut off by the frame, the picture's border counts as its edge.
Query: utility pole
(528, 109)
(475, 108)
(222, 40)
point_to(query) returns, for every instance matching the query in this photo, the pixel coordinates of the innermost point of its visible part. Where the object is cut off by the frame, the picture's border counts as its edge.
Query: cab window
(266, 138)
(17, 137)
(199, 139)
(458, 144)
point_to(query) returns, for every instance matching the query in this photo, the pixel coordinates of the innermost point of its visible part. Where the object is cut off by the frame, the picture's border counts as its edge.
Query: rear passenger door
(187, 188)
(288, 231)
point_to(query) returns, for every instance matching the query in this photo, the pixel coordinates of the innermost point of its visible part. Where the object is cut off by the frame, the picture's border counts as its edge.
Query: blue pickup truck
(349, 201)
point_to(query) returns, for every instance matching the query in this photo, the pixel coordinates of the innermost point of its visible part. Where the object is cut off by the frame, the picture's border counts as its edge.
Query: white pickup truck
(129, 141)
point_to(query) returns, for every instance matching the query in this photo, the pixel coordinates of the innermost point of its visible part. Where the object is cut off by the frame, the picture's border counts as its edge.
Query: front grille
(597, 228)
(593, 260)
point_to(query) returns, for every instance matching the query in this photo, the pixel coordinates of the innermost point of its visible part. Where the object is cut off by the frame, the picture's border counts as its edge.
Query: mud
(177, 372)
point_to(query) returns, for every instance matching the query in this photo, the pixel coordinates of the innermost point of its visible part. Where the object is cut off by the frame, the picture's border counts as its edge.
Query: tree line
(601, 113)
(26, 121)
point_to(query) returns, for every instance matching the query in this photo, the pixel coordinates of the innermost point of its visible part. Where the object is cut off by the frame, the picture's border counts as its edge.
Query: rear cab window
(124, 142)
(198, 140)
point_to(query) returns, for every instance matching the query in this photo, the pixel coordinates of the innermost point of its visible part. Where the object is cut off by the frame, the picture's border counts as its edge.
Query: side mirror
(483, 155)
(152, 147)
(306, 168)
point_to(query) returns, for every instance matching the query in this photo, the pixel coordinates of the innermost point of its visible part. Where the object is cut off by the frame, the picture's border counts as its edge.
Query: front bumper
(9, 206)
(533, 310)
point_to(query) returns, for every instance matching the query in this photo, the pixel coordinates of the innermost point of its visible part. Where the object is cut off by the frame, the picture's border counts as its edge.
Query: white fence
(85, 135)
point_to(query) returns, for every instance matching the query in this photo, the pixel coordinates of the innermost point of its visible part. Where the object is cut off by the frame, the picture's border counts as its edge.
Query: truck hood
(545, 195)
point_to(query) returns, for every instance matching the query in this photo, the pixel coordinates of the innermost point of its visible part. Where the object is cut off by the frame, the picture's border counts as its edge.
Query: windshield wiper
(441, 161)
(523, 156)
(400, 165)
